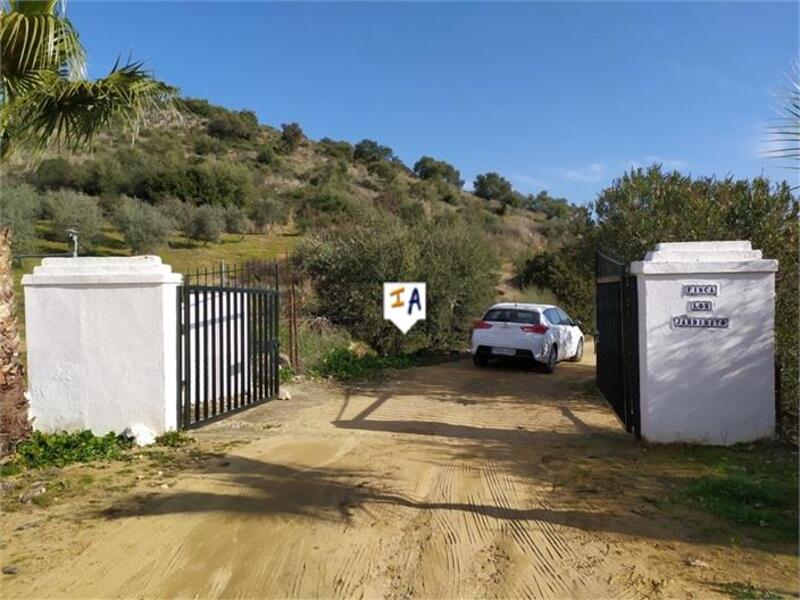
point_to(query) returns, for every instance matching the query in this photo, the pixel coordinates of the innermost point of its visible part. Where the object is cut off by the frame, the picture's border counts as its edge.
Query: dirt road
(444, 481)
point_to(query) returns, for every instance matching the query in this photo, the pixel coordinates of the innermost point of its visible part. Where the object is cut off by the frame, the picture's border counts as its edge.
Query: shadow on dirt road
(444, 481)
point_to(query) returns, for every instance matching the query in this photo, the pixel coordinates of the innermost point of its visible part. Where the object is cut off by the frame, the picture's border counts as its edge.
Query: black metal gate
(227, 341)
(618, 339)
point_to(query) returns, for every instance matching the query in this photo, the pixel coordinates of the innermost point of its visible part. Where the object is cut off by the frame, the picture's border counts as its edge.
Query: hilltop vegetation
(214, 185)
(215, 170)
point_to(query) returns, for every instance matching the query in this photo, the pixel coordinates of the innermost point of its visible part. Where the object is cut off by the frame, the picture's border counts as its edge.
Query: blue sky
(562, 97)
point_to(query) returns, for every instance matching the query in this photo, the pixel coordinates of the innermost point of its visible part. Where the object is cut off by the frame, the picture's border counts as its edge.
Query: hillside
(271, 182)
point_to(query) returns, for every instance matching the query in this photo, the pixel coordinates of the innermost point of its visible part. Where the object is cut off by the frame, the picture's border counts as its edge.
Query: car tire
(480, 359)
(578, 353)
(552, 360)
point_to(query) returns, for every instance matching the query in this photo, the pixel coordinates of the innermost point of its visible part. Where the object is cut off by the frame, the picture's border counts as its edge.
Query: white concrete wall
(706, 385)
(101, 343)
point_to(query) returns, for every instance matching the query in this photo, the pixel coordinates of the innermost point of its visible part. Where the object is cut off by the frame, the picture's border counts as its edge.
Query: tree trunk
(14, 424)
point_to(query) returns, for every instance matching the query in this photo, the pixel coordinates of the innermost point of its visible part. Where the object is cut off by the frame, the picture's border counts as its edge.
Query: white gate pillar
(101, 343)
(706, 343)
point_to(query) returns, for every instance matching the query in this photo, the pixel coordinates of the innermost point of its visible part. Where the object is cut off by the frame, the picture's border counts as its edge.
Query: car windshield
(512, 315)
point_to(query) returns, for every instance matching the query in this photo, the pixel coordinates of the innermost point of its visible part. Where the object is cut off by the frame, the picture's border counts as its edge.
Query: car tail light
(535, 328)
(481, 325)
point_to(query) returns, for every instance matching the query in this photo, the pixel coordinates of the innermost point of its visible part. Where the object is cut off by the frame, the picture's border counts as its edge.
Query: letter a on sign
(404, 304)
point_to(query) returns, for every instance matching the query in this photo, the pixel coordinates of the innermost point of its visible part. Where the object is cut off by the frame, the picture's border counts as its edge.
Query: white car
(540, 332)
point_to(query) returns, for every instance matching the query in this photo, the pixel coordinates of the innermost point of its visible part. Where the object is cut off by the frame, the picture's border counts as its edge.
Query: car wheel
(480, 359)
(578, 353)
(552, 359)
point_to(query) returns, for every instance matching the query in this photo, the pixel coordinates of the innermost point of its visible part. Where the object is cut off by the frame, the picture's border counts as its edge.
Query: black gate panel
(618, 340)
(227, 341)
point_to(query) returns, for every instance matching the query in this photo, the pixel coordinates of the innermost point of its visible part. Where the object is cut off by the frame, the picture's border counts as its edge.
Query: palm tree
(46, 99)
(784, 133)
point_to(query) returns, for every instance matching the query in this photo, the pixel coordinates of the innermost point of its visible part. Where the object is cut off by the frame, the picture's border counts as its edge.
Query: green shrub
(20, 208)
(266, 211)
(143, 226)
(332, 173)
(430, 168)
(347, 268)
(236, 220)
(338, 150)
(205, 144)
(60, 449)
(346, 365)
(369, 151)
(493, 187)
(233, 125)
(292, 137)
(552, 208)
(205, 224)
(220, 184)
(176, 212)
(101, 177)
(217, 183)
(325, 206)
(386, 171)
(267, 156)
(411, 211)
(552, 271)
(438, 190)
(73, 210)
(55, 174)
(197, 106)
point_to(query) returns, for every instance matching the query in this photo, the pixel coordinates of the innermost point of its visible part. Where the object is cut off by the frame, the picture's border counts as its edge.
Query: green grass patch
(316, 338)
(61, 449)
(753, 485)
(746, 500)
(745, 591)
(285, 374)
(174, 439)
(345, 365)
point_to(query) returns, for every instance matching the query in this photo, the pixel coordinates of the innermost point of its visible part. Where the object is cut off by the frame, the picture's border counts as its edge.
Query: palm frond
(36, 41)
(72, 112)
(784, 133)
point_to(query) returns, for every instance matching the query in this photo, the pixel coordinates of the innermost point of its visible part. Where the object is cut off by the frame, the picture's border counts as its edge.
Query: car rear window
(512, 315)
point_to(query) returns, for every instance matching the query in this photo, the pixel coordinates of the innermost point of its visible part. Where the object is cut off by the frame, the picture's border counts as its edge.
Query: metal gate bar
(227, 325)
(618, 339)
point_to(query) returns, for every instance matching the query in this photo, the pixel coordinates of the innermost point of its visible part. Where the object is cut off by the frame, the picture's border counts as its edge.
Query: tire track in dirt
(440, 492)
(546, 558)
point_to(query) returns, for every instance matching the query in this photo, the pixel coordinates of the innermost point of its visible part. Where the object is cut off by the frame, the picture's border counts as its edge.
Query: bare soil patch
(444, 481)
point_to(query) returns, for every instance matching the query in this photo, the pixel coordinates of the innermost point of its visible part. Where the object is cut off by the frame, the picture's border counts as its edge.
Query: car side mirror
(577, 323)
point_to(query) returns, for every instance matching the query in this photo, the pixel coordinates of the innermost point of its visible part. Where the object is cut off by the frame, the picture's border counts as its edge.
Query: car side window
(565, 320)
(552, 316)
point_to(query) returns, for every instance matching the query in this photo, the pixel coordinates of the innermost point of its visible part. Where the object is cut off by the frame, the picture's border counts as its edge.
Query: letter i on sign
(404, 303)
